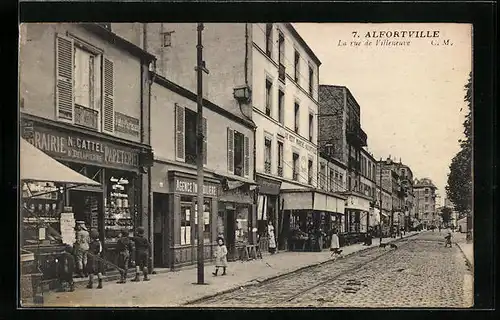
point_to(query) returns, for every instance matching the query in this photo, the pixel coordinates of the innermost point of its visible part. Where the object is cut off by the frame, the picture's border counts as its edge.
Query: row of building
(117, 103)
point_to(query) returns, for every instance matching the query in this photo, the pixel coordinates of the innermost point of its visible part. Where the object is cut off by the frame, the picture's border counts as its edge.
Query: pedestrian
(368, 239)
(142, 248)
(126, 250)
(448, 240)
(335, 244)
(439, 228)
(220, 255)
(272, 239)
(65, 269)
(81, 248)
(94, 265)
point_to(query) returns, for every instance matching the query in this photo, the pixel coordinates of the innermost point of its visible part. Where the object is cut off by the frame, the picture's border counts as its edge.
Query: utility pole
(200, 68)
(380, 218)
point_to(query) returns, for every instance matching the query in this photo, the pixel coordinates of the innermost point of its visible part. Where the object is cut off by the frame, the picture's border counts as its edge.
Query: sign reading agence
(190, 186)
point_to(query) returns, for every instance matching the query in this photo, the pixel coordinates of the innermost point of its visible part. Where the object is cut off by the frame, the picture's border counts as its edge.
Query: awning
(301, 199)
(35, 165)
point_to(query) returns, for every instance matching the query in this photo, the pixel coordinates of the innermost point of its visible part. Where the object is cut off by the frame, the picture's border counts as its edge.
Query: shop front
(118, 201)
(310, 217)
(236, 217)
(357, 218)
(175, 213)
(269, 208)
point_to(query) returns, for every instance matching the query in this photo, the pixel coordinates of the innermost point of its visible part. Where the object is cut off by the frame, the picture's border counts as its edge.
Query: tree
(459, 187)
(446, 215)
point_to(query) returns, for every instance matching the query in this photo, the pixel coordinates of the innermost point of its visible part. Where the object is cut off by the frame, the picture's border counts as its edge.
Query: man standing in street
(81, 247)
(142, 248)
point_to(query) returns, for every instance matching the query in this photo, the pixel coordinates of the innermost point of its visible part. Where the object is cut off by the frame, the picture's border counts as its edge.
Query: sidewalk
(466, 248)
(176, 288)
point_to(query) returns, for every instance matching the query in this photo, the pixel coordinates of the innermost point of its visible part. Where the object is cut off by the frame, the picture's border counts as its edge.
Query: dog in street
(391, 245)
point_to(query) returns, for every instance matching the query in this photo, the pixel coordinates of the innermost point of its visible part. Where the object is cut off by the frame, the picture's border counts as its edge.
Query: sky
(410, 96)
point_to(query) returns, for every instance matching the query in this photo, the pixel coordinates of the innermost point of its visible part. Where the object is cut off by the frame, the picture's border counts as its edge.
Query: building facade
(425, 201)
(341, 137)
(84, 102)
(228, 182)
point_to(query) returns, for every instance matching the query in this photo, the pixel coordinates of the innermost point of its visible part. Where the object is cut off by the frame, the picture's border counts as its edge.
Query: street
(421, 272)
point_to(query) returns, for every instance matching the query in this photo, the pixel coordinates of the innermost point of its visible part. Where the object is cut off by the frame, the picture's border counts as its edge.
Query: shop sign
(268, 186)
(238, 195)
(80, 148)
(300, 143)
(189, 186)
(127, 124)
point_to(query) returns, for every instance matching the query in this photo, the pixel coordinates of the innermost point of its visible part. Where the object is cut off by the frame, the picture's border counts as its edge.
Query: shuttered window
(179, 133)
(109, 100)
(205, 137)
(230, 150)
(247, 156)
(64, 85)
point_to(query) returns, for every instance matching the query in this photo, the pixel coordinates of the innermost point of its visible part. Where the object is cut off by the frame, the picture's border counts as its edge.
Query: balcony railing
(267, 167)
(282, 72)
(295, 175)
(86, 117)
(309, 179)
(268, 111)
(355, 165)
(280, 171)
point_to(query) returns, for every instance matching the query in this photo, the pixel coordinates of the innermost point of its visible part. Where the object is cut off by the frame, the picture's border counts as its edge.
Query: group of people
(85, 257)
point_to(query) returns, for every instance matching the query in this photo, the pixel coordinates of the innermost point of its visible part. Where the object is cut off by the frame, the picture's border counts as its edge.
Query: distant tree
(459, 187)
(446, 215)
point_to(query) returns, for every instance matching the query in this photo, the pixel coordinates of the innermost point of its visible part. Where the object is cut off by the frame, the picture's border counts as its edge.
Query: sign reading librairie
(191, 186)
(71, 146)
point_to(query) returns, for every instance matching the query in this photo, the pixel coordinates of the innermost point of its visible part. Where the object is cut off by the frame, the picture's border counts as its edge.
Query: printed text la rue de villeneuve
(394, 38)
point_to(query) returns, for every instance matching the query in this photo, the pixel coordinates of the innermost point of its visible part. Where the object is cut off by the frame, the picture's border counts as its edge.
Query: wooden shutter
(205, 149)
(64, 78)
(179, 133)
(246, 152)
(108, 99)
(230, 150)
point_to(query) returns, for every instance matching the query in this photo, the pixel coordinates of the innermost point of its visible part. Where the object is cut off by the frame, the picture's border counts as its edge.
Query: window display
(118, 207)
(41, 211)
(185, 221)
(206, 221)
(242, 226)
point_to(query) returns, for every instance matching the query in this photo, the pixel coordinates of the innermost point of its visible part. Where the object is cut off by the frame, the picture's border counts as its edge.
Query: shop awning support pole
(200, 68)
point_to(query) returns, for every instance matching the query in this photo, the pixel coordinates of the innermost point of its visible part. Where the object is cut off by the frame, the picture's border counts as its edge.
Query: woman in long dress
(270, 235)
(335, 244)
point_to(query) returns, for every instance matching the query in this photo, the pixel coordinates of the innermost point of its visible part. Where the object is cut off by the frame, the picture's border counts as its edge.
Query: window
(426, 199)
(295, 166)
(332, 181)
(426, 191)
(269, 39)
(281, 49)
(185, 137)
(311, 127)
(281, 107)
(206, 221)
(310, 172)
(280, 158)
(297, 120)
(322, 176)
(296, 66)
(267, 155)
(238, 150)
(426, 207)
(269, 92)
(166, 39)
(185, 220)
(349, 183)
(311, 80)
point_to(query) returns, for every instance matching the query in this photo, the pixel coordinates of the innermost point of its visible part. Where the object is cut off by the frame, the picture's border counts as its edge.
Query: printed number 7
(355, 34)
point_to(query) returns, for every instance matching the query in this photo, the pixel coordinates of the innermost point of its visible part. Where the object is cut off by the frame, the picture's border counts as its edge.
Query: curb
(467, 261)
(257, 281)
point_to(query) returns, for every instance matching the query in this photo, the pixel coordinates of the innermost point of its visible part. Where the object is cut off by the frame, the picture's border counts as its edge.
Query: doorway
(160, 230)
(87, 207)
(231, 233)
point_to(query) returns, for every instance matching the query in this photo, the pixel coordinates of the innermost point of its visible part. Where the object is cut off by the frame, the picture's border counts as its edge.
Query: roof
(303, 43)
(119, 41)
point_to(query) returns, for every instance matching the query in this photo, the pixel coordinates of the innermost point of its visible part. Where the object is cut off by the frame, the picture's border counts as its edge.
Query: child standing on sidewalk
(94, 266)
(142, 248)
(220, 257)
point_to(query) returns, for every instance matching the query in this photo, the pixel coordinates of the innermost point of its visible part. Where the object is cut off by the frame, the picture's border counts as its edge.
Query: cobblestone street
(421, 272)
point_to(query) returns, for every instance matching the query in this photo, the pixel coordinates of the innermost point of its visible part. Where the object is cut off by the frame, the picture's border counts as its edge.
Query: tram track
(286, 288)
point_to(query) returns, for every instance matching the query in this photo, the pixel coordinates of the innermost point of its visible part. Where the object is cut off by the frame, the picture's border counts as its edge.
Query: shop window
(311, 80)
(242, 226)
(120, 205)
(206, 222)
(185, 220)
